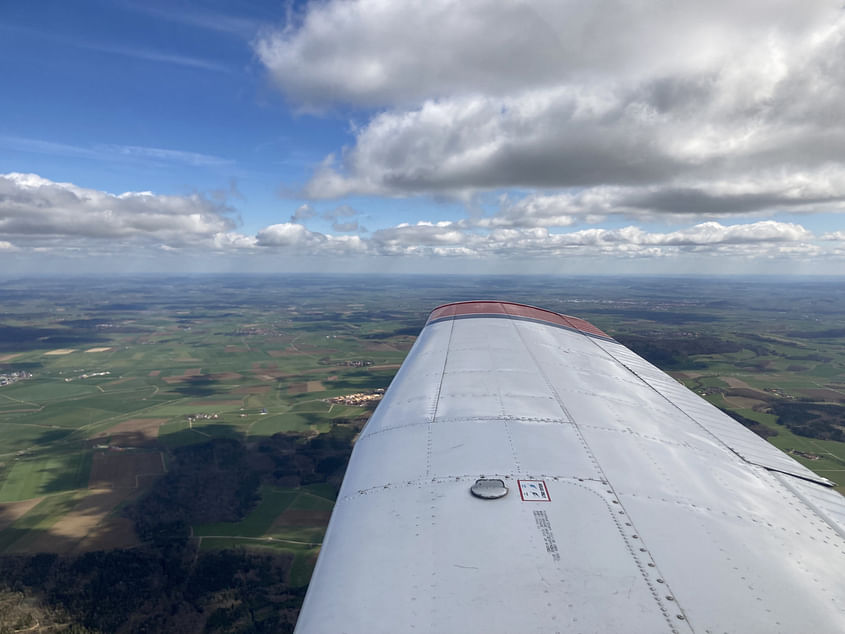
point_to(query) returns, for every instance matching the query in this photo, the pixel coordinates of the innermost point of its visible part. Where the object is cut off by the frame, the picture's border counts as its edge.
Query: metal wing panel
(647, 519)
(453, 565)
(739, 574)
(736, 437)
(826, 502)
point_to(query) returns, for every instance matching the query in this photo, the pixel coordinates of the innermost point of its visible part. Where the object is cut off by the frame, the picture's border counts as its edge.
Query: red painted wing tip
(493, 307)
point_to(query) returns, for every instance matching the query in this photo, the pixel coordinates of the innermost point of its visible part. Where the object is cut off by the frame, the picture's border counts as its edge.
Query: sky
(474, 136)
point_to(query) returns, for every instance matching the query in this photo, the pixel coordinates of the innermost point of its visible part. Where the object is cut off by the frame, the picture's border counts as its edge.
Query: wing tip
(514, 310)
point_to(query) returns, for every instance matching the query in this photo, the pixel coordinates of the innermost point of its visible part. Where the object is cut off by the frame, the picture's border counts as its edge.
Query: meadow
(125, 372)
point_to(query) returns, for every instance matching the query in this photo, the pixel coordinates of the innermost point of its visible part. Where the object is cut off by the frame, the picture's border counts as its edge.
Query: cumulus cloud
(609, 107)
(295, 238)
(375, 53)
(35, 210)
(303, 213)
(748, 194)
(42, 216)
(459, 239)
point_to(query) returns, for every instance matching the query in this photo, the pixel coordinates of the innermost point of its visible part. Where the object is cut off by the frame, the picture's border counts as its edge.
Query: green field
(33, 477)
(254, 360)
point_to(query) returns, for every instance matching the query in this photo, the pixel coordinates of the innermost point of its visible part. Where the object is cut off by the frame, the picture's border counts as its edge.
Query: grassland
(249, 357)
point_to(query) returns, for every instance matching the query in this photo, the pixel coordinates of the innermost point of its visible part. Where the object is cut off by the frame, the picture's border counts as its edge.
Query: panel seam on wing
(429, 439)
(467, 419)
(470, 477)
(744, 458)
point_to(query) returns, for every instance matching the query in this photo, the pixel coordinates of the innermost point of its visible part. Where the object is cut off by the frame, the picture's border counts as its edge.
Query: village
(88, 376)
(7, 378)
(360, 399)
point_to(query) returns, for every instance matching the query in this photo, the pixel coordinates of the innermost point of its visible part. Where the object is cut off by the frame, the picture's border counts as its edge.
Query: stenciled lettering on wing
(541, 518)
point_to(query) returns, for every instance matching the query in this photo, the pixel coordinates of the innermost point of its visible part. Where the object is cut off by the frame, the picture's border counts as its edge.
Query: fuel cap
(489, 489)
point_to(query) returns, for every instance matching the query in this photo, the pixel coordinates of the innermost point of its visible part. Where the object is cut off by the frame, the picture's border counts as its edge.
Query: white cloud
(289, 234)
(455, 238)
(35, 210)
(38, 215)
(295, 238)
(376, 53)
(600, 108)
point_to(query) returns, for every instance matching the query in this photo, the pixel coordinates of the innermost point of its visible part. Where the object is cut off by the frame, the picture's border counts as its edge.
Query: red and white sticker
(534, 491)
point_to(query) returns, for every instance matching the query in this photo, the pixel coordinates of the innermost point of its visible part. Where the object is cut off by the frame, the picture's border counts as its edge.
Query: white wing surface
(632, 504)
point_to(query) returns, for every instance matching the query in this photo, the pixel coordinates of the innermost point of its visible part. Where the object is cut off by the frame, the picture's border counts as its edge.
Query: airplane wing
(527, 473)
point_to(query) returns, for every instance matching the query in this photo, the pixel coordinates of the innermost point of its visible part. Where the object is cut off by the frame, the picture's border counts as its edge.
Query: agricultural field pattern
(215, 414)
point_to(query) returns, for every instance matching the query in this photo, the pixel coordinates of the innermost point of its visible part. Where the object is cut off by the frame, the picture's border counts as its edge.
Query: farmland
(197, 412)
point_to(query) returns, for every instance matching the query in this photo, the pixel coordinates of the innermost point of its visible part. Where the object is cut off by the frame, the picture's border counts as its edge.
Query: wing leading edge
(633, 505)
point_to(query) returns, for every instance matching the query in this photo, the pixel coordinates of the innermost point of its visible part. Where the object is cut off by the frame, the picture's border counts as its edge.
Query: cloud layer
(660, 108)
(37, 214)
(36, 211)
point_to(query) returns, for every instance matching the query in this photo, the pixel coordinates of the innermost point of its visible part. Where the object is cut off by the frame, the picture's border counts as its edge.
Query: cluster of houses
(360, 398)
(88, 375)
(7, 378)
(355, 364)
(202, 416)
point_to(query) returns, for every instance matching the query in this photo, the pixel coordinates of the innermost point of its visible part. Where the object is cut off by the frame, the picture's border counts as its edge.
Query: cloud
(342, 211)
(641, 109)
(289, 234)
(456, 238)
(36, 211)
(194, 159)
(38, 215)
(749, 194)
(147, 54)
(302, 213)
(165, 57)
(202, 19)
(374, 53)
(112, 153)
(345, 227)
(295, 238)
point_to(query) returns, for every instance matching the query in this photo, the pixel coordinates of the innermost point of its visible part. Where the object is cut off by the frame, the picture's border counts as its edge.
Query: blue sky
(477, 136)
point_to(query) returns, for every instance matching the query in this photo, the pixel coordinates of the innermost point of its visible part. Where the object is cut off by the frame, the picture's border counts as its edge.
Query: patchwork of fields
(125, 373)
(117, 384)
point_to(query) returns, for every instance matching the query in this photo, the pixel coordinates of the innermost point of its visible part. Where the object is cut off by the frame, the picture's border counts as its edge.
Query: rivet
(680, 617)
